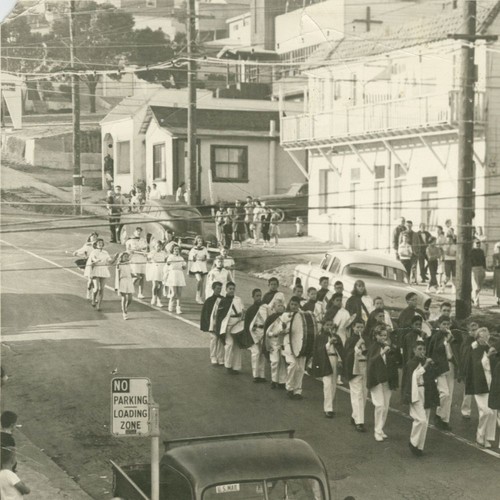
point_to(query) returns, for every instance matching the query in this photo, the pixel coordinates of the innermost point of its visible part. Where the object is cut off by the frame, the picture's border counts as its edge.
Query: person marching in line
(254, 330)
(137, 248)
(272, 316)
(273, 285)
(313, 305)
(218, 273)
(478, 382)
(324, 293)
(197, 266)
(327, 363)
(98, 262)
(124, 282)
(340, 317)
(467, 340)
(406, 315)
(154, 272)
(359, 303)
(378, 304)
(174, 278)
(295, 364)
(381, 378)
(441, 352)
(208, 321)
(230, 323)
(494, 395)
(84, 252)
(274, 230)
(421, 393)
(410, 336)
(496, 272)
(355, 353)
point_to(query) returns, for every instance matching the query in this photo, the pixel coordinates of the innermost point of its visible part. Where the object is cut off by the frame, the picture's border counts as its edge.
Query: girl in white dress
(154, 272)
(174, 278)
(84, 253)
(124, 282)
(197, 262)
(137, 247)
(98, 262)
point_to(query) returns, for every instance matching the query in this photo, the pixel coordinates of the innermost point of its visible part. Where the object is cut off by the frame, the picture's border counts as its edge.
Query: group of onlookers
(435, 257)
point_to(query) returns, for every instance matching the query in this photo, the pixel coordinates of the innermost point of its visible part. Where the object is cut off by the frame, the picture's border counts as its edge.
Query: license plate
(227, 488)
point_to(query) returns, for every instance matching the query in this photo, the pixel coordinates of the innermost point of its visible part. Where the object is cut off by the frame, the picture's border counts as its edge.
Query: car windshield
(376, 271)
(297, 488)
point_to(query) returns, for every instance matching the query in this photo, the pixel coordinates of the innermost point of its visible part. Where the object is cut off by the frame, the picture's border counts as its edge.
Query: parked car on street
(157, 216)
(233, 467)
(293, 203)
(384, 277)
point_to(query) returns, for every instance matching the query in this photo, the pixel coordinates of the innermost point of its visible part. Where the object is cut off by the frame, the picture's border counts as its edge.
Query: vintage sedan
(158, 217)
(384, 277)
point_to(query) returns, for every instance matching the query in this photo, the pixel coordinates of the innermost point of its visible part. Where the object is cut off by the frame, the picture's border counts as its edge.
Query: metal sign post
(135, 414)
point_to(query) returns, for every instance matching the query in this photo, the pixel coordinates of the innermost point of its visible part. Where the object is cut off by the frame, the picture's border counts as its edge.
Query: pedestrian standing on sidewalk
(249, 218)
(99, 260)
(137, 247)
(227, 233)
(257, 221)
(478, 265)
(238, 224)
(124, 282)
(423, 238)
(274, 230)
(11, 487)
(327, 363)
(180, 194)
(207, 324)
(120, 204)
(405, 253)
(154, 272)
(220, 216)
(197, 267)
(265, 224)
(450, 262)
(415, 250)
(381, 378)
(299, 227)
(440, 243)
(175, 280)
(434, 255)
(496, 272)
(400, 228)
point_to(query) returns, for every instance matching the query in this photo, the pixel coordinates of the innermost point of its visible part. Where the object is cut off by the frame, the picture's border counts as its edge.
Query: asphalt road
(61, 355)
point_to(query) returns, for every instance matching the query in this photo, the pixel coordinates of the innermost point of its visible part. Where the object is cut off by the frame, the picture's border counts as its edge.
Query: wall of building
(157, 135)
(240, 29)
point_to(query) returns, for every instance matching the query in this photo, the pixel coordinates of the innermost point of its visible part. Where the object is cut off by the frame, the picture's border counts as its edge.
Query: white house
(381, 131)
(239, 151)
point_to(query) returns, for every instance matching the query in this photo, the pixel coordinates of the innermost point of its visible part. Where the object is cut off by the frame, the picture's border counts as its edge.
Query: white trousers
(487, 423)
(358, 392)
(295, 373)
(445, 385)
(258, 361)
(278, 366)
(330, 385)
(420, 418)
(466, 408)
(381, 397)
(232, 353)
(216, 350)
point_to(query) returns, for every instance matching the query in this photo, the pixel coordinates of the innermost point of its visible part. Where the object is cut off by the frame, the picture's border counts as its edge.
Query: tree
(103, 40)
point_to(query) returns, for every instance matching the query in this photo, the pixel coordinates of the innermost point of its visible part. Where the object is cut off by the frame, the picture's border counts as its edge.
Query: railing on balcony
(400, 114)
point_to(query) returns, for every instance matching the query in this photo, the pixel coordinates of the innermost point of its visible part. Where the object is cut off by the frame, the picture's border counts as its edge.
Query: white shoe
(140, 296)
(384, 435)
(178, 310)
(153, 301)
(158, 302)
(379, 438)
(171, 306)
(125, 316)
(89, 294)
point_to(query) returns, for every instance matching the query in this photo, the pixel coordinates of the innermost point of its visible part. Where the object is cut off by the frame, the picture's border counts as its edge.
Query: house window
(399, 170)
(159, 161)
(379, 172)
(323, 190)
(429, 182)
(229, 164)
(123, 157)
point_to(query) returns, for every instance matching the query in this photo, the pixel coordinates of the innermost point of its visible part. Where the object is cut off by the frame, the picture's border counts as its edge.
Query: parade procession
(250, 249)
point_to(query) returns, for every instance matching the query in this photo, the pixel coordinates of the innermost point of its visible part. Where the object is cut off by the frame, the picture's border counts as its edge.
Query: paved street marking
(192, 323)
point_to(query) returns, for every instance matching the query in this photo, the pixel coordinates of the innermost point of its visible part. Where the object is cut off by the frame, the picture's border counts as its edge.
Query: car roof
(230, 461)
(350, 257)
(164, 204)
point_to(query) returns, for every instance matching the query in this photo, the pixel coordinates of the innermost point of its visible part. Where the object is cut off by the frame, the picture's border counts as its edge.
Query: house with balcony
(380, 127)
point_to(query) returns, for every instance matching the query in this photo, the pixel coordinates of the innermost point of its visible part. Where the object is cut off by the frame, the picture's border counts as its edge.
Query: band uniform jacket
(494, 397)
(465, 347)
(350, 355)
(475, 379)
(409, 390)
(230, 311)
(268, 297)
(378, 371)
(437, 351)
(321, 366)
(209, 309)
(247, 339)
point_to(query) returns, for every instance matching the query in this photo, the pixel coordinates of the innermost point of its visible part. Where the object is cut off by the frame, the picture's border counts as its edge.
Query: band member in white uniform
(255, 327)
(174, 278)
(313, 305)
(340, 317)
(98, 271)
(207, 324)
(137, 247)
(230, 323)
(197, 260)
(220, 274)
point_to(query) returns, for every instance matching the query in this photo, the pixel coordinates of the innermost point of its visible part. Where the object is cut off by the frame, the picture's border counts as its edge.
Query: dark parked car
(293, 203)
(157, 217)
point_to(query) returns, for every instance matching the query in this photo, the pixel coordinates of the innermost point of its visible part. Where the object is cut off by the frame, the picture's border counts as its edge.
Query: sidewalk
(45, 479)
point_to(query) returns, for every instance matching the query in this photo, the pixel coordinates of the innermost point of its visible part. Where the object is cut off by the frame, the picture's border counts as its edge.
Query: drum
(303, 330)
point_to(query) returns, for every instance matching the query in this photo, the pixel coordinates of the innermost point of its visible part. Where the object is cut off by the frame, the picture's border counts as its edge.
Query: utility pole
(465, 206)
(75, 100)
(193, 196)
